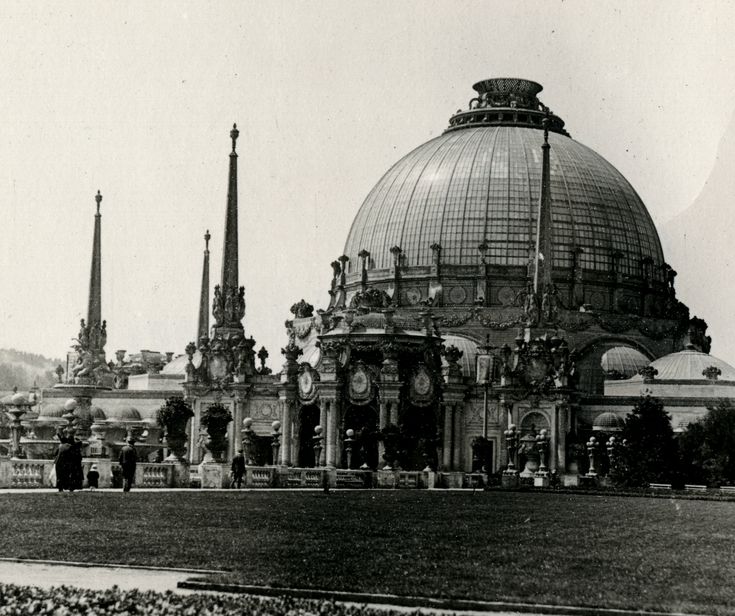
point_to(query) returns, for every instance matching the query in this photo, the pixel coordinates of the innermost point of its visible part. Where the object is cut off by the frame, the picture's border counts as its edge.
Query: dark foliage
(650, 454)
(21, 600)
(173, 411)
(708, 447)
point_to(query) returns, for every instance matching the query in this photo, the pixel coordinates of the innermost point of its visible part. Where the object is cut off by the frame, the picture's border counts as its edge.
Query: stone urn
(173, 417)
(215, 419)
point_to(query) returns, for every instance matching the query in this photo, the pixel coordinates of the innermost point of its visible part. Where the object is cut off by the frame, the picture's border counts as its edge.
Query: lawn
(667, 554)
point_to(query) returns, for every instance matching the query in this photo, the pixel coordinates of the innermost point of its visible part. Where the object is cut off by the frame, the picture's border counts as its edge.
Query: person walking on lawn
(238, 469)
(63, 464)
(128, 461)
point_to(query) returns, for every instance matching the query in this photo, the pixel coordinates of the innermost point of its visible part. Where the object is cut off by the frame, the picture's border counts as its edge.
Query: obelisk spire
(544, 230)
(230, 250)
(94, 307)
(203, 325)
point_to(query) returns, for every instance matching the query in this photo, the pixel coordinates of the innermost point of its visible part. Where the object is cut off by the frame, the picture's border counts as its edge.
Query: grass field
(569, 549)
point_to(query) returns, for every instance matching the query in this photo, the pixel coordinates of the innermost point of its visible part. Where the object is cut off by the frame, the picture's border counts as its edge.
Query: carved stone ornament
(307, 382)
(422, 386)
(361, 384)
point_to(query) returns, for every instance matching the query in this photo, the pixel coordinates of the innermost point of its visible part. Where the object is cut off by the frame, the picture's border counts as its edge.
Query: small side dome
(623, 362)
(124, 413)
(607, 422)
(689, 365)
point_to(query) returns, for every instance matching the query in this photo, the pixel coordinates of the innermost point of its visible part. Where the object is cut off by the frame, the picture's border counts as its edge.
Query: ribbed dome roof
(481, 180)
(688, 365)
(607, 422)
(624, 361)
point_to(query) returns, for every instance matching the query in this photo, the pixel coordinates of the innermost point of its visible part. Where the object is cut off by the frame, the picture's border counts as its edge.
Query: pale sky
(136, 99)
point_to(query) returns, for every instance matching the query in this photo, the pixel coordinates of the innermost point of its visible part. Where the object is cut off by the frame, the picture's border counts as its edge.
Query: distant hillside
(700, 244)
(19, 369)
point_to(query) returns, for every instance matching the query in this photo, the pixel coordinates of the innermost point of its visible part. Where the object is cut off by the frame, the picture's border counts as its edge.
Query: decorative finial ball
(350, 433)
(234, 133)
(247, 422)
(318, 430)
(18, 399)
(98, 197)
(276, 425)
(70, 405)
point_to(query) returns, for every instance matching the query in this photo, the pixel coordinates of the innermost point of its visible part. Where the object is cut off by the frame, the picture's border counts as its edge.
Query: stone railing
(31, 474)
(154, 475)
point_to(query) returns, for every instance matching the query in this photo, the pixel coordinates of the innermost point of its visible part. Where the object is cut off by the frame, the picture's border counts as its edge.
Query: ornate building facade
(491, 282)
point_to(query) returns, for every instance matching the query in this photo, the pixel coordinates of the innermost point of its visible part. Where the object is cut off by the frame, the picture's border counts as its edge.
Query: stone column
(562, 414)
(295, 435)
(393, 406)
(447, 438)
(382, 422)
(287, 432)
(458, 437)
(323, 423)
(331, 445)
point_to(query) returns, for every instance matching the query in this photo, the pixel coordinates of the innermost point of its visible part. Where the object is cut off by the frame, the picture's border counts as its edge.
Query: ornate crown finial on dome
(98, 199)
(507, 101)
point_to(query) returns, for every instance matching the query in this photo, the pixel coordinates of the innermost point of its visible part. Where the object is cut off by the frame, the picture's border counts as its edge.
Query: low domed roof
(607, 422)
(624, 361)
(124, 413)
(468, 361)
(688, 365)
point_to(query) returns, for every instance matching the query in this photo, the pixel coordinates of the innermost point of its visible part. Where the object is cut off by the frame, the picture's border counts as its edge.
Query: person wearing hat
(93, 477)
(237, 470)
(128, 461)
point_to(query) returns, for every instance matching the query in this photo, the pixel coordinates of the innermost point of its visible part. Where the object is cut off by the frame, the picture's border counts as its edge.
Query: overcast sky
(136, 99)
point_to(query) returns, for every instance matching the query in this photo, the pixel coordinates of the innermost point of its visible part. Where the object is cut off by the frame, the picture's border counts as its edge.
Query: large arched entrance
(364, 449)
(308, 420)
(418, 429)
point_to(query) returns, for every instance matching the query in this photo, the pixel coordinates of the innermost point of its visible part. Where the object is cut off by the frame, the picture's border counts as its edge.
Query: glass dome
(481, 180)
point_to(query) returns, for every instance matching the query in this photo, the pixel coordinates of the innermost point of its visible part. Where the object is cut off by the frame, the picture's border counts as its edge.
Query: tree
(650, 454)
(708, 446)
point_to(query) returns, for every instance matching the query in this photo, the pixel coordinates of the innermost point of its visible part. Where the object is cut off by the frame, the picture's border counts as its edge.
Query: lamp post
(247, 439)
(276, 442)
(350, 433)
(317, 444)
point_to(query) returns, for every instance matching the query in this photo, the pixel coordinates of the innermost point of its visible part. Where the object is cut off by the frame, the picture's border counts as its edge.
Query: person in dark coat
(76, 470)
(128, 461)
(93, 477)
(238, 469)
(63, 463)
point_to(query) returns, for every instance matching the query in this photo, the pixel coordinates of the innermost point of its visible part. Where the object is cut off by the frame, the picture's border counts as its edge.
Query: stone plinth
(570, 480)
(541, 481)
(181, 473)
(510, 479)
(213, 475)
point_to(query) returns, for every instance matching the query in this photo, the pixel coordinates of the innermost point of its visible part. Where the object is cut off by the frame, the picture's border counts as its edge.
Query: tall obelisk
(94, 307)
(203, 324)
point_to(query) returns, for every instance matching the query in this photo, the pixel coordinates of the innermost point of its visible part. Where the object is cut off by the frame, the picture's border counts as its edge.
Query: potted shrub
(173, 417)
(215, 419)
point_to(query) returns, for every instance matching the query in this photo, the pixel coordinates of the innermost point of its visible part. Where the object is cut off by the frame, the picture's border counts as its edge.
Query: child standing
(93, 477)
